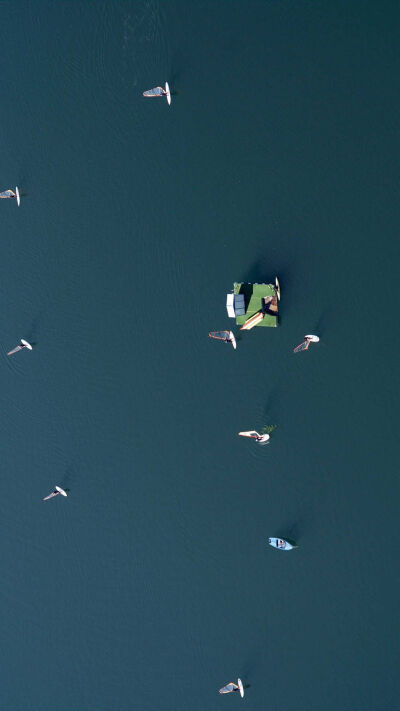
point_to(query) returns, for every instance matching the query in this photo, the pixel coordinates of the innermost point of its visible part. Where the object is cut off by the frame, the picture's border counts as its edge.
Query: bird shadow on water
(295, 529)
(323, 321)
(255, 658)
(271, 407)
(69, 478)
(34, 329)
(174, 78)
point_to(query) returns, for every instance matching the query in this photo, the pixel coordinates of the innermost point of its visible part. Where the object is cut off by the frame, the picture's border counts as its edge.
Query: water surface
(152, 585)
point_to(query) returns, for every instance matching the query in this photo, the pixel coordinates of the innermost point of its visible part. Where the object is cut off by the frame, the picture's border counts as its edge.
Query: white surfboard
(168, 93)
(232, 339)
(240, 685)
(18, 196)
(26, 344)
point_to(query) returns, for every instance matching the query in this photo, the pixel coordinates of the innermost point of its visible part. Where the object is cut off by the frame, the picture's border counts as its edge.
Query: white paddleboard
(18, 197)
(232, 339)
(240, 685)
(168, 93)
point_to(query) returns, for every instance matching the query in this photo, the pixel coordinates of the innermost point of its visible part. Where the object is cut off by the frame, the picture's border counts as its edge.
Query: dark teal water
(152, 585)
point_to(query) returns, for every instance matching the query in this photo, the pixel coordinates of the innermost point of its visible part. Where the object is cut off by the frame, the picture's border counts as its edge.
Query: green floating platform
(253, 293)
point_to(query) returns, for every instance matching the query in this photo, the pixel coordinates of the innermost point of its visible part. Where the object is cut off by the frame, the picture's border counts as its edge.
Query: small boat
(255, 435)
(281, 544)
(252, 321)
(226, 336)
(56, 492)
(23, 344)
(159, 91)
(277, 288)
(11, 194)
(306, 343)
(231, 686)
